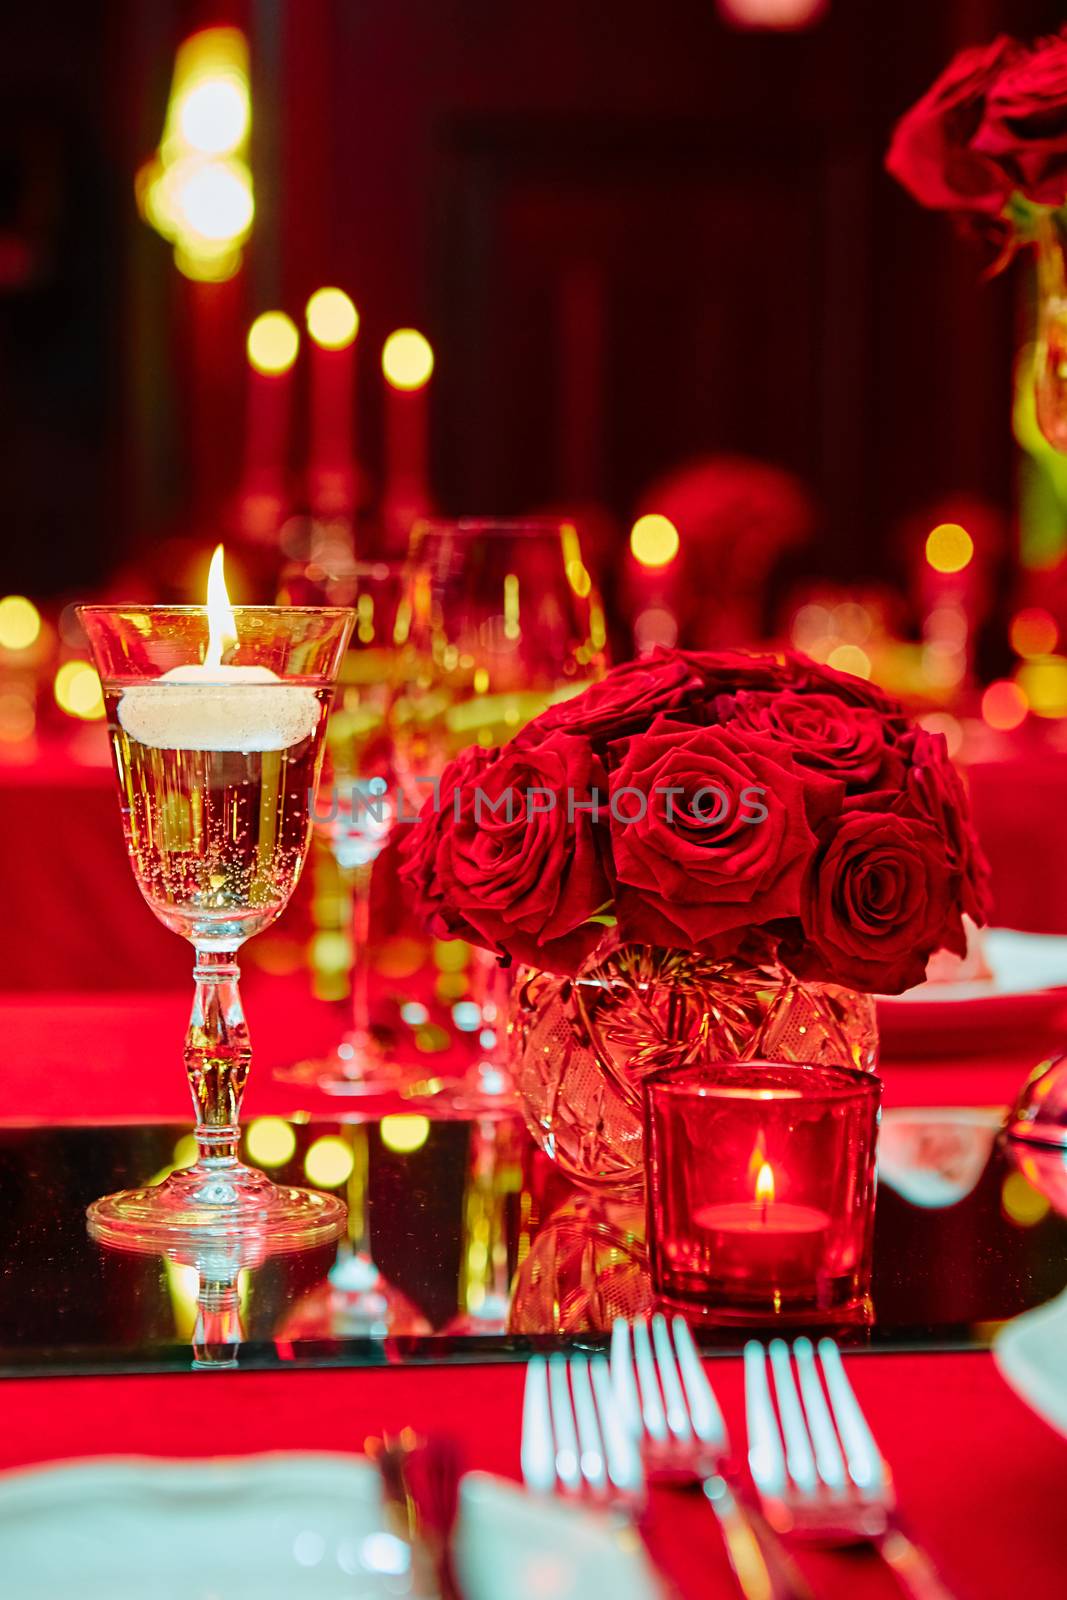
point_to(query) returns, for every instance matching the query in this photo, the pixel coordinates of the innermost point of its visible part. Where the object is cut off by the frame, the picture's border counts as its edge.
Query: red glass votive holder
(761, 1186)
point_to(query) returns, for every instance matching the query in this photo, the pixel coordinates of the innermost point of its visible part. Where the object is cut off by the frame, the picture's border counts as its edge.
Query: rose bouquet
(988, 142)
(750, 809)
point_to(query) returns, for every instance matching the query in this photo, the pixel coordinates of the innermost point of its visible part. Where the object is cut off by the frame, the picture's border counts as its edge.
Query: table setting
(623, 1139)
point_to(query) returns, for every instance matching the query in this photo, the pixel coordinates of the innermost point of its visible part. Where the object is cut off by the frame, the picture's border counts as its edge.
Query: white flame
(221, 622)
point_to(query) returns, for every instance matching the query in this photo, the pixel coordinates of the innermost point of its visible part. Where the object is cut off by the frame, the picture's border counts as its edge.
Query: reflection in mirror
(935, 1157)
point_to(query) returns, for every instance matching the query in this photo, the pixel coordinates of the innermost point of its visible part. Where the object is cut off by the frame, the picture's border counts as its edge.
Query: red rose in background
(627, 699)
(843, 741)
(877, 902)
(1025, 123)
(934, 150)
(692, 866)
(513, 863)
(814, 677)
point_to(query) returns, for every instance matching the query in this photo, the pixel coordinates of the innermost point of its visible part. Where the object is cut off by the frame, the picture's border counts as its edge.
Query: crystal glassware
(358, 807)
(217, 719)
(501, 620)
(761, 1186)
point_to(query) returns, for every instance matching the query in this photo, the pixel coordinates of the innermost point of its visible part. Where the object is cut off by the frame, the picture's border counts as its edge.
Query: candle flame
(221, 622)
(765, 1184)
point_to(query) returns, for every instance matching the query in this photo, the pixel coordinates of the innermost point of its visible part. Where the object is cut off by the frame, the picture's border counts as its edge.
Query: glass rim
(514, 527)
(854, 1082)
(122, 610)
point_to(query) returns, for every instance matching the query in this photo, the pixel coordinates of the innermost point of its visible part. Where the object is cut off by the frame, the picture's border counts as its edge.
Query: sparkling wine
(217, 836)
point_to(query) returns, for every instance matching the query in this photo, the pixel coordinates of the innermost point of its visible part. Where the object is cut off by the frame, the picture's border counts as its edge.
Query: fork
(573, 1439)
(668, 1405)
(830, 1483)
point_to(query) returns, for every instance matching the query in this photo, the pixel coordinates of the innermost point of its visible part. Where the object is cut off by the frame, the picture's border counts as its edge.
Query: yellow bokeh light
(270, 1141)
(77, 691)
(213, 114)
(213, 200)
(332, 319)
(1034, 632)
(1022, 1202)
(949, 547)
(654, 540)
(20, 622)
(273, 342)
(407, 359)
(1044, 683)
(329, 1162)
(1004, 706)
(404, 1133)
(850, 658)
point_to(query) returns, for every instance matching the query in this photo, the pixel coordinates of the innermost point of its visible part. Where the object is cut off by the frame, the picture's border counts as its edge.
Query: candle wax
(773, 1242)
(244, 709)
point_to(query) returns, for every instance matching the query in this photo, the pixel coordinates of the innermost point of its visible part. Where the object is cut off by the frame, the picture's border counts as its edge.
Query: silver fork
(830, 1483)
(669, 1407)
(573, 1439)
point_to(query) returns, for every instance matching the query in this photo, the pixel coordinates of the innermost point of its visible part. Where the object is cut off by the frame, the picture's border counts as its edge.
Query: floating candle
(215, 706)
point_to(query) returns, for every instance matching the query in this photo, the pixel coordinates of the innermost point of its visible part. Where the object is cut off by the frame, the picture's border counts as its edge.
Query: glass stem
(217, 1055)
(361, 883)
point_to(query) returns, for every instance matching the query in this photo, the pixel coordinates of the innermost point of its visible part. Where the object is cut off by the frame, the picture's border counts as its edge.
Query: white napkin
(1031, 1352)
(511, 1545)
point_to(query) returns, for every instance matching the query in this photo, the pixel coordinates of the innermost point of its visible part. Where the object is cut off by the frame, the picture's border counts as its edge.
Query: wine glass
(217, 763)
(358, 810)
(502, 620)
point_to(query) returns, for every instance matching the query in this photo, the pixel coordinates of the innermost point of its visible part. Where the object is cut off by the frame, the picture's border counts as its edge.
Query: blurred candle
(273, 343)
(332, 325)
(407, 365)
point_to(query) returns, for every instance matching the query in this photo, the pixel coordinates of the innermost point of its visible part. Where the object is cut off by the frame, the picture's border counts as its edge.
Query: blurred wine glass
(501, 620)
(357, 807)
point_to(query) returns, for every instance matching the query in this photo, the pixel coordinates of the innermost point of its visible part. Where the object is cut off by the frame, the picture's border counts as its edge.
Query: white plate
(1031, 1352)
(249, 1528)
(935, 1156)
(1028, 987)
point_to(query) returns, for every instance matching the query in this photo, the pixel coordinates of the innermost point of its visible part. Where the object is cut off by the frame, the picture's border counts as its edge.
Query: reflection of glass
(494, 1174)
(358, 806)
(216, 762)
(502, 620)
(761, 1186)
(586, 1266)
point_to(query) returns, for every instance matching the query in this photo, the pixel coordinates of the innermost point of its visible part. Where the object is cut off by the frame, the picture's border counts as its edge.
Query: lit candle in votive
(765, 1240)
(214, 705)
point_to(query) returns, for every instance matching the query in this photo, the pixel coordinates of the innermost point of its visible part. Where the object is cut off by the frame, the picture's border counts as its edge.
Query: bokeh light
(773, 14)
(332, 319)
(404, 1133)
(214, 201)
(77, 691)
(1034, 632)
(329, 1162)
(407, 359)
(654, 540)
(20, 622)
(850, 658)
(270, 1141)
(1044, 682)
(213, 115)
(273, 342)
(1004, 706)
(1022, 1203)
(949, 547)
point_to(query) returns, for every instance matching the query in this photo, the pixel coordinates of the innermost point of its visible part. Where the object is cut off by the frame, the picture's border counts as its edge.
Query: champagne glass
(217, 719)
(357, 813)
(502, 620)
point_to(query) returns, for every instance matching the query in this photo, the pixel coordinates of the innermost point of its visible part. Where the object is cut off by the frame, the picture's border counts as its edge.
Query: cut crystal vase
(1050, 367)
(582, 1046)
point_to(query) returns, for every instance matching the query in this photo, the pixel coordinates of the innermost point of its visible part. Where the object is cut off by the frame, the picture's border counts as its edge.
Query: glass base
(212, 1202)
(363, 1063)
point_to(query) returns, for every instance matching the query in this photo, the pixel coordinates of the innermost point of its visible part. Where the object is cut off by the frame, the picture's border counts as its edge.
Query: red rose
(624, 701)
(726, 850)
(1025, 125)
(422, 846)
(823, 732)
(813, 677)
(934, 792)
(517, 863)
(877, 903)
(934, 151)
